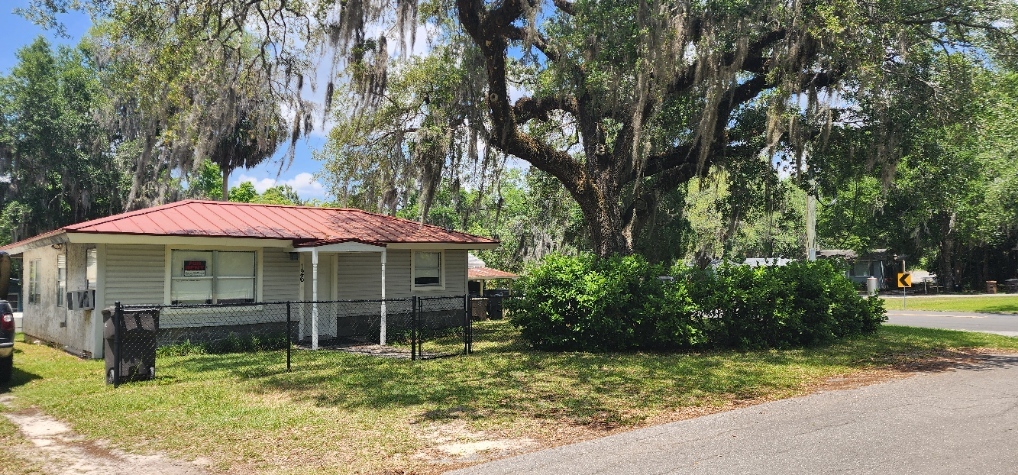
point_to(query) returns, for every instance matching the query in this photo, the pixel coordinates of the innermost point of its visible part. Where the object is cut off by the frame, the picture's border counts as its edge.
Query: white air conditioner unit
(81, 299)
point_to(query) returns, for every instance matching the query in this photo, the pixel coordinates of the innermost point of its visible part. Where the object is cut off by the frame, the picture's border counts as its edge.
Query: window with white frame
(34, 294)
(61, 279)
(427, 270)
(212, 276)
(91, 268)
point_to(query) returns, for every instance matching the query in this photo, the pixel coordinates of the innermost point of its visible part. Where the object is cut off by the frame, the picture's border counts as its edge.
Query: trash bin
(479, 308)
(991, 286)
(871, 286)
(130, 344)
(495, 306)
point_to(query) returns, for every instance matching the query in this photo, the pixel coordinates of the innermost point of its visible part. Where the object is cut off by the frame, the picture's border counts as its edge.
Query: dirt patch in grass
(60, 450)
(453, 443)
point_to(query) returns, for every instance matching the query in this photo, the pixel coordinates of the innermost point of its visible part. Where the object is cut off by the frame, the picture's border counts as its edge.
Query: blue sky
(17, 32)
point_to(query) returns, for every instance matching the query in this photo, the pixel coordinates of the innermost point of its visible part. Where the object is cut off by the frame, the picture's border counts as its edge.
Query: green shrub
(233, 343)
(583, 303)
(620, 303)
(181, 349)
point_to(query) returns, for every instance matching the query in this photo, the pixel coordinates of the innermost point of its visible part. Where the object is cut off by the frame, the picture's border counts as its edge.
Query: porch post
(314, 299)
(381, 333)
(302, 297)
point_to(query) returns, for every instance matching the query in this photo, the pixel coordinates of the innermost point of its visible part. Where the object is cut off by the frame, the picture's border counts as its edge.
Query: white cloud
(303, 183)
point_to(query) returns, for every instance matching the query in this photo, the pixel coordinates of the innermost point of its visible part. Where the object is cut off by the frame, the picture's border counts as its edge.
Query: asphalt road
(978, 322)
(961, 421)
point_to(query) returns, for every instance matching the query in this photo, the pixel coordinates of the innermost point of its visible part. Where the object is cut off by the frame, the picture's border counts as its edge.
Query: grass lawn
(1000, 303)
(344, 413)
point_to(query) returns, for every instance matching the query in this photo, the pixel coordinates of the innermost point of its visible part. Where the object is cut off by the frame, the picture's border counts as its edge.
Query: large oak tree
(623, 102)
(620, 101)
(657, 92)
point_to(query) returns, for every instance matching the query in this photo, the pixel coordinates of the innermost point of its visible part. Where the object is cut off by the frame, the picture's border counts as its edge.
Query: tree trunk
(600, 206)
(606, 229)
(226, 181)
(985, 272)
(133, 196)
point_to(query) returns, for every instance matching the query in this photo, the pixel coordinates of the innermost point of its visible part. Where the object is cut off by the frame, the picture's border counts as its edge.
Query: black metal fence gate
(442, 323)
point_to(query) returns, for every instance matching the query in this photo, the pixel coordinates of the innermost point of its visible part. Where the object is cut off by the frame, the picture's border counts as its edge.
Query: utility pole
(903, 287)
(811, 227)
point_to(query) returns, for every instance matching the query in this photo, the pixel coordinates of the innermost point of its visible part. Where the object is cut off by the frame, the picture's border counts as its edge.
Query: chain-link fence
(374, 327)
(409, 328)
(227, 328)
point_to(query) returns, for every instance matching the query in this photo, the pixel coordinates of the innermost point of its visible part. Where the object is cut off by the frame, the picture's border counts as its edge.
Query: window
(91, 268)
(61, 279)
(235, 277)
(34, 296)
(212, 277)
(427, 270)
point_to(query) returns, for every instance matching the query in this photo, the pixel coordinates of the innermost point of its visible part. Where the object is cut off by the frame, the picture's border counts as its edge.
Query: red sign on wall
(194, 268)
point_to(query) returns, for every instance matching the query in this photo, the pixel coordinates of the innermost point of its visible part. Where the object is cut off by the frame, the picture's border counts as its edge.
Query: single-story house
(486, 302)
(877, 264)
(212, 252)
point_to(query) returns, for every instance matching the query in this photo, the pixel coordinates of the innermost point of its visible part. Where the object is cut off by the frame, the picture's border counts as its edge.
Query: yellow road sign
(904, 279)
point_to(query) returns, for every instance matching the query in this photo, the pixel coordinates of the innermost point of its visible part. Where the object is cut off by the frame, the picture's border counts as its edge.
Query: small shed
(478, 275)
(486, 302)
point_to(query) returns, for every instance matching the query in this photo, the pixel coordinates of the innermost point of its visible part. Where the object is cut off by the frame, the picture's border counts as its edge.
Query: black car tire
(6, 369)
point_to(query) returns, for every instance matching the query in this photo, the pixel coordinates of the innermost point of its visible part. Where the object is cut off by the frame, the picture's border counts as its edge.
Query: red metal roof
(305, 226)
(487, 273)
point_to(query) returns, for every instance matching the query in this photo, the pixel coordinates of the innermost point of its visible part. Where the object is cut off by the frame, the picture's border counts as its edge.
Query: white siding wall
(455, 272)
(134, 274)
(73, 330)
(43, 319)
(37, 314)
(280, 276)
(360, 275)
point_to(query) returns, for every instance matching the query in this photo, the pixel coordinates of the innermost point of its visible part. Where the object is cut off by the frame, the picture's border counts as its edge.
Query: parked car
(6, 341)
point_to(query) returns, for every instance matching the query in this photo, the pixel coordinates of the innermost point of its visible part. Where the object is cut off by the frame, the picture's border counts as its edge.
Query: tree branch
(688, 154)
(528, 108)
(540, 42)
(566, 6)
(755, 61)
(490, 32)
